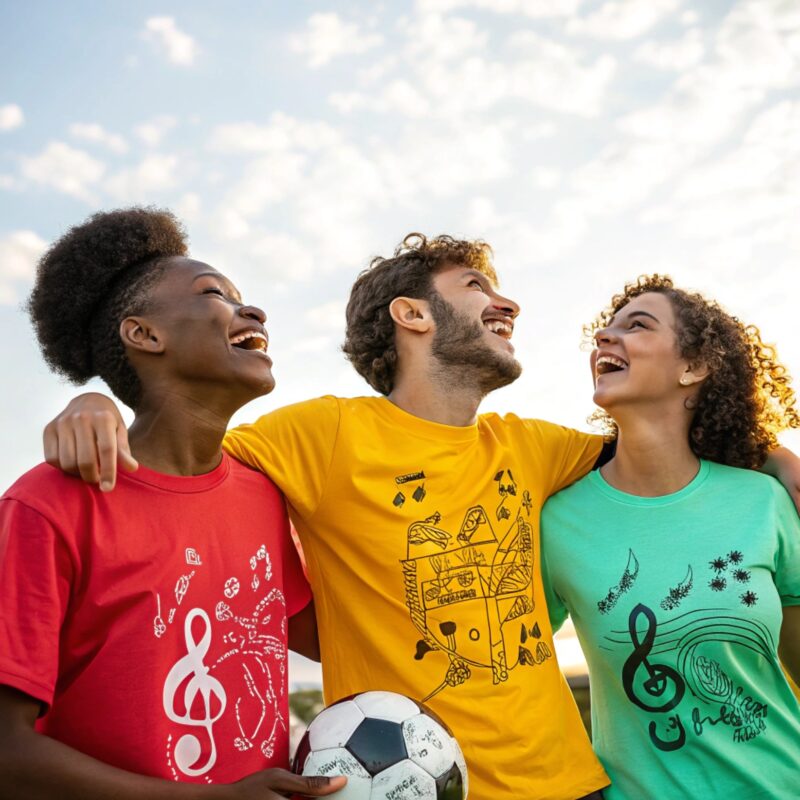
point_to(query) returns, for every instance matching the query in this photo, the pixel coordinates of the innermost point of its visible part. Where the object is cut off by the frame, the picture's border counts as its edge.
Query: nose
(604, 336)
(253, 312)
(506, 306)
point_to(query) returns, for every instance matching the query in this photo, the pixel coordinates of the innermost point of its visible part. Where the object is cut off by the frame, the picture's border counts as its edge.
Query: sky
(588, 142)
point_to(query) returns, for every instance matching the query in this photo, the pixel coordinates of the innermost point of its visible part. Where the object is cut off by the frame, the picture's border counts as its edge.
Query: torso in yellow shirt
(422, 544)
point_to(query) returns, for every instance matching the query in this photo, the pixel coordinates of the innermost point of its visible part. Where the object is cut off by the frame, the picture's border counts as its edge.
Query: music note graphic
(188, 748)
(660, 676)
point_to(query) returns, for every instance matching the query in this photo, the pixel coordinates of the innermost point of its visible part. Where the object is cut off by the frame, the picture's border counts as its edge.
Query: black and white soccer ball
(389, 747)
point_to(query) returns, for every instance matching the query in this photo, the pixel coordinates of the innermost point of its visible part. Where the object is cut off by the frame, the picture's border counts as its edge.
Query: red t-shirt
(152, 620)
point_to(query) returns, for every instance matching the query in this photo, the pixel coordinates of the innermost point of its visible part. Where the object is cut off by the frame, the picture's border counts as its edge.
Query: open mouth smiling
(501, 327)
(608, 363)
(250, 340)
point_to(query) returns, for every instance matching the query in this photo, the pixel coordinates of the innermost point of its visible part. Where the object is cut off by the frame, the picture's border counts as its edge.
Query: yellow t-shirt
(422, 545)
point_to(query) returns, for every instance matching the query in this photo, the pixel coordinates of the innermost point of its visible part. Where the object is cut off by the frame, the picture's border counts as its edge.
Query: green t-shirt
(677, 604)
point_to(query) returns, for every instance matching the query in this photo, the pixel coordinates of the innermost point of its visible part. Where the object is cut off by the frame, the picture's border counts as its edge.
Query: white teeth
(612, 360)
(498, 326)
(248, 335)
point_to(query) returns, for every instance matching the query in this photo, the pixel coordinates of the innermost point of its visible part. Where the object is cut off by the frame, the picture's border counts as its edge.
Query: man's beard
(459, 348)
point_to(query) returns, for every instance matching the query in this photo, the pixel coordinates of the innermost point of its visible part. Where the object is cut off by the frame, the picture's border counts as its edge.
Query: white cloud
(535, 9)
(66, 169)
(622, 19)
(11, 117)
(154, 130)
(19, 252)
(756, 50)
(281, 133)
(188, 207)
(327, 36)
(676, 55)
(92, 132)
(153, 174)
(177, 46)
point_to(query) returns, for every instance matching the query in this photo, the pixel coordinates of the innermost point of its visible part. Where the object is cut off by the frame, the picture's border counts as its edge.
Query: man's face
(474, 325)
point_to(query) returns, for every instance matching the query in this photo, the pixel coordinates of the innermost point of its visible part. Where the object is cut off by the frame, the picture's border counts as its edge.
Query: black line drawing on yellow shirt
(679, 593)
(625, 582)
(463, 591)
(695, 635)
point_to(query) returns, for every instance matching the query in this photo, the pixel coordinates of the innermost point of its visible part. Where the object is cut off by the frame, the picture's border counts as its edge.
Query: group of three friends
(144, 630)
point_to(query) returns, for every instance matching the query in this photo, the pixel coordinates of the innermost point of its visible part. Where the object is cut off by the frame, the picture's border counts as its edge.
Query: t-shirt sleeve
(567, 454)
(296, 588)
(36, 573)
(787, 566)
(294, 446)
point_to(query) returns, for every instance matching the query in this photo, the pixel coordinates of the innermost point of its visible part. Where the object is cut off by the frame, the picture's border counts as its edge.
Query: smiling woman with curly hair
(680, 569)
(747, 397)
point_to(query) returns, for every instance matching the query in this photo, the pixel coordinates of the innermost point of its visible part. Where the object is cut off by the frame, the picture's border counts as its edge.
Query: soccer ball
(388, 746)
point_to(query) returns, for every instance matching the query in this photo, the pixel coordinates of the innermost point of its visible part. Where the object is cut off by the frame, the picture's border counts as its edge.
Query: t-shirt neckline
(181, 483)
(425, 428)
(600, 483)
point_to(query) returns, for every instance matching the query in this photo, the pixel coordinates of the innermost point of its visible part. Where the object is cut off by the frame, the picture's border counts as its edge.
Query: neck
(177, 435)
(653, 457)
(447, 399)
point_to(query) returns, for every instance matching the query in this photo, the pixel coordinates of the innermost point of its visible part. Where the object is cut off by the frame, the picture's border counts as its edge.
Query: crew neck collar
(181, 483)
(600, 483)
(425, 428)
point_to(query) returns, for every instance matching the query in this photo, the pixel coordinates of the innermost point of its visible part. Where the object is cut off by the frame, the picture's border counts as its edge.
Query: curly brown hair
(745, 401)
(369, 339)
(89, 280)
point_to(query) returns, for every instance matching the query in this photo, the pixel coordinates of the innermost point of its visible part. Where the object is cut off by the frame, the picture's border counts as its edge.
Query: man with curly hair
(419, 517)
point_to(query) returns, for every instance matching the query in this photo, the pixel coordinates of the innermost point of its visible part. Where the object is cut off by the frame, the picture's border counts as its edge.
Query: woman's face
(212, 344)
(636, 362)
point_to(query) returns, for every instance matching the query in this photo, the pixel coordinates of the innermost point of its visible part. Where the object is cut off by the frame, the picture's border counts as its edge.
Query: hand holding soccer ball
(388, 746)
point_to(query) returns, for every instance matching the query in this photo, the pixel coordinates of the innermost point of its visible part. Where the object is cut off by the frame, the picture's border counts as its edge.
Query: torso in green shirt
(677, 602)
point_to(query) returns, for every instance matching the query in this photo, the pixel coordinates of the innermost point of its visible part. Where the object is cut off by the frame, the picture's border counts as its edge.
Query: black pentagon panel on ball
(377, 744)
(450, 786)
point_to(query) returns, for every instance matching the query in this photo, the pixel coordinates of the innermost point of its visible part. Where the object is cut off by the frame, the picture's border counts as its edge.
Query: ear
(138, 334)
(411, 314)
(694, 374)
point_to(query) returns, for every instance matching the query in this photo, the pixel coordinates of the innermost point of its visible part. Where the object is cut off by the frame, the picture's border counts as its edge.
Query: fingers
(283, 781)
(103, 440)
(126, 460)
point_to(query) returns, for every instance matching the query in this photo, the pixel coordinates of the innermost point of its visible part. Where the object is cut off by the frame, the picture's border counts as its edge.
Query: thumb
(308, 785)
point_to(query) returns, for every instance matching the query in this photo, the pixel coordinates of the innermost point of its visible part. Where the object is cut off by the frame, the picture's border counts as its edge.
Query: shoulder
(536, 429)
(747, 481)
(50, 492)
(44, 485)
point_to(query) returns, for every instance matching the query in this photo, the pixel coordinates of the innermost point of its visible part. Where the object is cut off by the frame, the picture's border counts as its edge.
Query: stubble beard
(462, 356)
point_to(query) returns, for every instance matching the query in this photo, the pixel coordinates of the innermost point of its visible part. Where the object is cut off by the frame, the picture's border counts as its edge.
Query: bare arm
(36, 767)
(784, 465)
(303, 636)
(789, 647)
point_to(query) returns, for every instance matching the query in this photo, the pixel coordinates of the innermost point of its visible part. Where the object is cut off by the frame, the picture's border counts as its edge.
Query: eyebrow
(639, 314)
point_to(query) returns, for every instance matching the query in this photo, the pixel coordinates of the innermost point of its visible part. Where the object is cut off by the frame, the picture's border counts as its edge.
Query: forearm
(789, 648)
(36, 767)
(784, 465)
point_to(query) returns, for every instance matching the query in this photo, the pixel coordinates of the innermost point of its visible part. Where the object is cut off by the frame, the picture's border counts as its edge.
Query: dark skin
(193, 381)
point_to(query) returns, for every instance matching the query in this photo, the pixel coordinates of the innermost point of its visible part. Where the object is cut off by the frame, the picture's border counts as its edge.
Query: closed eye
(213, 290)
(637, 323)
(476, 282)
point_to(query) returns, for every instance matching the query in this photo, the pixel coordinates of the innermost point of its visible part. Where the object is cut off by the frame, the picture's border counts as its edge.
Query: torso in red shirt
(152, 620)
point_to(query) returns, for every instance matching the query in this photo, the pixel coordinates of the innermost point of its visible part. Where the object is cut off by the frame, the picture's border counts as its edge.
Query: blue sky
(587, 141)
